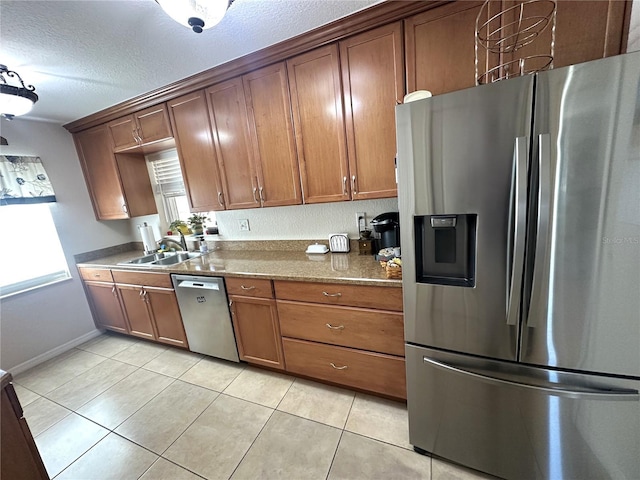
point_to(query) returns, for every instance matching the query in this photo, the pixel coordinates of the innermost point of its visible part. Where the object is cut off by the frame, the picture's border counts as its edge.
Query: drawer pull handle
(247, 288)
(97, 275)
(332, 294)
(339, 327)
(344, 367)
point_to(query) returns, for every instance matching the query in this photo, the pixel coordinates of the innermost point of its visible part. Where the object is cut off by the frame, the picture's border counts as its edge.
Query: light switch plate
(244, 224)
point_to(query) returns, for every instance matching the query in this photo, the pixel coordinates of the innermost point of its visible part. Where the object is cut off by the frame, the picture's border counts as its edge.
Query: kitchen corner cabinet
(103, 299)
(271, 129)
(19, 456)
(373, 81)
(316, 99)
(228, 112)
(255, 322)
(151, 307)
(141, 128)
(190, 121)
(118, 184)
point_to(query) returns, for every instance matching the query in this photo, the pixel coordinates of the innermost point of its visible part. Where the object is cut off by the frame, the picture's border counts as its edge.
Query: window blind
(167, 173)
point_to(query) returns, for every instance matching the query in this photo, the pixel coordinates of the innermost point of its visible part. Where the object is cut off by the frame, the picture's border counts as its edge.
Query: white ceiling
(86, 55)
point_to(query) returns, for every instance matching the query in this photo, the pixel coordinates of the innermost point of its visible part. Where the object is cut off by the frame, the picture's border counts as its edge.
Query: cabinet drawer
(386, 298)
(143, 278)
(249, 287)
(97, 274)
(374, 372)
(374, 330)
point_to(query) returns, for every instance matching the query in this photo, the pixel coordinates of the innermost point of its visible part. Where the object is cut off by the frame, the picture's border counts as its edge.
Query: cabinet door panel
(106, 306)
(585, 30)
(228, 111)
(271, 128)
(440, 46)
(372, 73)
(135, 307)
(153, 124)
(166, 316)
(316, 98)
(123, 133)
(136, 184)
(192, 131)
(255, 321)
(101, 173)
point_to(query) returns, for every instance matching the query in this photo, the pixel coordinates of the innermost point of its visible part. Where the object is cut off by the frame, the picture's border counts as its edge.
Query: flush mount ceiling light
(15, 99)
(196, 14)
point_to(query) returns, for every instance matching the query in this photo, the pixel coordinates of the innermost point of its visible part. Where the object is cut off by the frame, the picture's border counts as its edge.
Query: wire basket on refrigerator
(505, 33)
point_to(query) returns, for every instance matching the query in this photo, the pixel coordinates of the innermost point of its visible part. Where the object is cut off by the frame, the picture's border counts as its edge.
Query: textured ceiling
(86, 55)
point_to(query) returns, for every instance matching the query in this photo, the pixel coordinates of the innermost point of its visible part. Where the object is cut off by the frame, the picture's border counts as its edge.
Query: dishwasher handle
(208, 285)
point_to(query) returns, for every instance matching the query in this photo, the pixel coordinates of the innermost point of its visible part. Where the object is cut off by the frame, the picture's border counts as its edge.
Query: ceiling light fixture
(196, 14)
(15, 100)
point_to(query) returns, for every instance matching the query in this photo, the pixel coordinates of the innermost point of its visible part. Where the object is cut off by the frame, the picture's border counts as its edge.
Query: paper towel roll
(148, 240)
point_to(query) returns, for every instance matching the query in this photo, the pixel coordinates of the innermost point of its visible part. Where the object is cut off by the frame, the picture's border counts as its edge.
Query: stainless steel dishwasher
(205, 315)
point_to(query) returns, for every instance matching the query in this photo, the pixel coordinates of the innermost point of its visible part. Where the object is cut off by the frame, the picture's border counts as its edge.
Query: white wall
(301, 222)
(633, 40)
(37, 322)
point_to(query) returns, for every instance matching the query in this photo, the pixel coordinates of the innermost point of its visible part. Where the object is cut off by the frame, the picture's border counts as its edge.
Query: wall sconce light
(196, 14)
(15, 99)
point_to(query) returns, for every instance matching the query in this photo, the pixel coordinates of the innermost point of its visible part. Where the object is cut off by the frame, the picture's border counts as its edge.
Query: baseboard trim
(54, 352)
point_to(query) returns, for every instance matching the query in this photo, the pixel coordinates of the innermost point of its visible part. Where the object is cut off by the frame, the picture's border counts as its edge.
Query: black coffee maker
(388, 226)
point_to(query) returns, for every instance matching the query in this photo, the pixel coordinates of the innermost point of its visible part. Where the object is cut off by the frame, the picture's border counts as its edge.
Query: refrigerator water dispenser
(446, 249)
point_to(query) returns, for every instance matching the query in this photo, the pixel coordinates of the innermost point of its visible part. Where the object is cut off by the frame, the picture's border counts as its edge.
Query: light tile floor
(121, 408)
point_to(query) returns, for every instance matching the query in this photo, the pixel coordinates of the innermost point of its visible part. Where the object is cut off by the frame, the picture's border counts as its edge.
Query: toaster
(339, 242)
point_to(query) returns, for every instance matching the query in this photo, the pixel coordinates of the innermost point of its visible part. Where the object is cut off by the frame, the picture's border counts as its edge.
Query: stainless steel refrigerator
(520, 211)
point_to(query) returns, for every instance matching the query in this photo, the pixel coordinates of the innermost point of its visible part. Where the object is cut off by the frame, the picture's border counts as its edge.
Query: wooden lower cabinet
(255, 321)
(351, 335)
(153, 313)
(134, 303)
(366, 329)
(374, 372)
(19, 456)
(103, 298)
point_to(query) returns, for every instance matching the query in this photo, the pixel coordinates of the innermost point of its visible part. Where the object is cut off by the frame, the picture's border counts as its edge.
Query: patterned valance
(24, 180)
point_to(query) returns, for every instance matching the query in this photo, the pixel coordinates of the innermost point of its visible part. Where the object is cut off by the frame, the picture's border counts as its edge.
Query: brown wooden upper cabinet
(440, 48)
(585, 30)
(316, 98)
(271, 130)
(440, 42)
(141, 128)
(228, 112)
(118, 184)
(194, 142)
(373, 82)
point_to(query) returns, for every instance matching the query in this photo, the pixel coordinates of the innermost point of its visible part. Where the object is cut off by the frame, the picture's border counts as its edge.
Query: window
(170, 185)
(32, 255)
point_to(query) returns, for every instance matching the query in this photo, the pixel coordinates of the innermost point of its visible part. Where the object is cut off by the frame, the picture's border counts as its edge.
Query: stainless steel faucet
(182, 243)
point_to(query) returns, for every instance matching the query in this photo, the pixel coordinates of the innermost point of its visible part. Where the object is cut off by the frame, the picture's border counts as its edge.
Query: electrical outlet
(244, 225)
(361, 219)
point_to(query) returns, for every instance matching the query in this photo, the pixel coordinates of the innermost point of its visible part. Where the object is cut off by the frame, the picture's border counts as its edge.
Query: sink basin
(161, 259)
(146, 259)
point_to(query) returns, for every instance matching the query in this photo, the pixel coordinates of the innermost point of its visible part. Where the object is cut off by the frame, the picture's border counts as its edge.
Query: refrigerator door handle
(582, 393)
(518, 210)
(540, 286)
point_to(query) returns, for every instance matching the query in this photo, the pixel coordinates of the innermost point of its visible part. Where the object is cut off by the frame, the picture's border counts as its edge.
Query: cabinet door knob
(261, 194)
(255, 199)
(220, 201)
(113, 291)
(344, 185)
(344, 367)
(332, 294)
(353, 184)
(124, 208)
(339, 327)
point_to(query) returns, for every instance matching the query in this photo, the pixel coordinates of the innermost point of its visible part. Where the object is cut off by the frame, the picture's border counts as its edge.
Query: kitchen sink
(161, 259)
